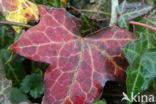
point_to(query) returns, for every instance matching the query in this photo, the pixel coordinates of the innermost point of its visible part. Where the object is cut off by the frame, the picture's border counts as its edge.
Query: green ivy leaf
(142, 67)
(151, 35)
(33, 84)
(149, 63)
(152, 18)
(132, 10)
(5, 87)
(14, 70)
(151, 90)
(17, 96)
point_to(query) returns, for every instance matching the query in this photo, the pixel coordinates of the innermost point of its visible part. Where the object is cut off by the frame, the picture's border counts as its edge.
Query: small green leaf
(132, 10)
(5, 87)
(55, 3)
(33, 84)
(123, 23)
(142, 69)
(17, 96)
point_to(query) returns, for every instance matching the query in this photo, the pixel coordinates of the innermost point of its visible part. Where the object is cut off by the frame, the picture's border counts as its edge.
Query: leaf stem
(143, 25)
(103, 19)
(91, 11)
(14, 24)
(114, 16)
(77, 10)
(82, 10)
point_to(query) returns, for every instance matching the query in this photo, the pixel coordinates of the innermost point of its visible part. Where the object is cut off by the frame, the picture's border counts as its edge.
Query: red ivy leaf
(79, 67)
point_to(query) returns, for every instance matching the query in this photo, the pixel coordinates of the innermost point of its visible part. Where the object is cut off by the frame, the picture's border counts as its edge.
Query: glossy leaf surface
(142, 69)
(132, 10)
(79, 66)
